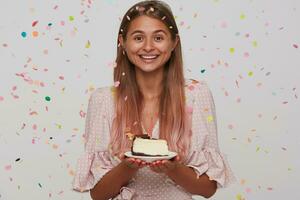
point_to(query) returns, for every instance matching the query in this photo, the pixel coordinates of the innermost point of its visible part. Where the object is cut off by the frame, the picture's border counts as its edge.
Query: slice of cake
(144, 146)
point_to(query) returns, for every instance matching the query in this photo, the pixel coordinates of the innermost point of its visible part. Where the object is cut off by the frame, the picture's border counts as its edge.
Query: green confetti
(47, 98)
(202, 71)
(250, 73)
(40, 185)
(71, 18)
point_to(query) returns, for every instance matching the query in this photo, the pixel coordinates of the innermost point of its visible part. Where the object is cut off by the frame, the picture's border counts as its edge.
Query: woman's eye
(158, 38)
(138, 38)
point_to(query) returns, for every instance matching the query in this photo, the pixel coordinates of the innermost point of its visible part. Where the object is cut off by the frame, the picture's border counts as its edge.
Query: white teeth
(149, 57)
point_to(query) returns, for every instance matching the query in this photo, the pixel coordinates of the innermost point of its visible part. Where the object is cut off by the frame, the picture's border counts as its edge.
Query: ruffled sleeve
(205, 156)
(95, 162)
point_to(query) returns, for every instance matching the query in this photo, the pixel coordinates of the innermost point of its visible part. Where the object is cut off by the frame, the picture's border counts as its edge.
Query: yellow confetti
(59, 126)
(210, 118)
(257, 149)
(242, 16)
(250, 73)
(239, 197)
(88, 44)
(254, 43)
(231, 50)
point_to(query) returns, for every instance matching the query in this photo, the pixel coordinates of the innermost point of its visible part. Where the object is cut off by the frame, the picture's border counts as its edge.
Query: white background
(258, 114)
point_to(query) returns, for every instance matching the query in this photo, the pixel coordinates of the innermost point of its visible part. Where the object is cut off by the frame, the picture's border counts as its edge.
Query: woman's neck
(150, 84)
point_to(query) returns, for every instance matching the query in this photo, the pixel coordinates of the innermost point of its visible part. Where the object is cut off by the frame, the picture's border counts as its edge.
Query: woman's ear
(176, 42)
(121, 42)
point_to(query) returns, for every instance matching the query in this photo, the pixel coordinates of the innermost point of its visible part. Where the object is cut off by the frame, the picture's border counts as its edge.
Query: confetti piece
(268, 73)
(250, 73)
(246, 54)
(24, 34)
(230, 126)
(239, 197)
(82, 114)
(71, 18)
(231, 50)
(49, 24)
(210, 118)
(40, 185)
(59, 126)
(254, 43)
(61, 77)
(34, 23)
(202, 71)
(283, 148)
(295, 46)
(88, 44)
(47, 98)
(7, 167)
(117, 83)
(242, 16)
(248, 190)
(33, 113)
(35, 33)
(1, 98)
(285, 102)
(34, 127)
(257, 149)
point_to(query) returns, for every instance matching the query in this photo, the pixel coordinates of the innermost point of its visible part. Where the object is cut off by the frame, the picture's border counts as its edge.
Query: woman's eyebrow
(157, 31)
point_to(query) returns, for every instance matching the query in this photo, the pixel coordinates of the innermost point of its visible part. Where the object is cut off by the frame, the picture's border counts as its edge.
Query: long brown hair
(129, 99)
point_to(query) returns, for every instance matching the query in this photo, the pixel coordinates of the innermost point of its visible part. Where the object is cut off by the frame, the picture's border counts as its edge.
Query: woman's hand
(132, 163)
(164, 166)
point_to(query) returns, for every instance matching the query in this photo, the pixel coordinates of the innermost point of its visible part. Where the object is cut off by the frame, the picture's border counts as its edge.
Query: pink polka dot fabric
(204, 154)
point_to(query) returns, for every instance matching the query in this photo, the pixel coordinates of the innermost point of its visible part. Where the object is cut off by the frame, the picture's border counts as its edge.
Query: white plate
(150, 159)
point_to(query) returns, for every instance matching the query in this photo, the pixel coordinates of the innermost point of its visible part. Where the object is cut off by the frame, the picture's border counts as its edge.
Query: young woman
(151, 97)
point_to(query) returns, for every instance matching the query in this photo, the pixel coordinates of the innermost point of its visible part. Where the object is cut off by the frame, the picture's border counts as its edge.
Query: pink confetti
(248, 190)
(34, 23)
(55, 7)
(117, 83)
(61, 77)
(238, 100)
(7, 167)
(191, 87)
(246, 54)
(14, 88)
(295, 46)
(34, 127)
(285, 102)
(4, 45)
(1, 98)
(230, 126)
(82, 114)
(269, 188)
(33, 141)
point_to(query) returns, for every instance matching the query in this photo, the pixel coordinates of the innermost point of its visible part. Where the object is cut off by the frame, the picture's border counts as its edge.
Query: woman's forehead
(145, 24)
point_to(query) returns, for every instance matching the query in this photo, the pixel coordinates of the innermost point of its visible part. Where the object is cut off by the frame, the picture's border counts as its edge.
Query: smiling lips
(148, 58)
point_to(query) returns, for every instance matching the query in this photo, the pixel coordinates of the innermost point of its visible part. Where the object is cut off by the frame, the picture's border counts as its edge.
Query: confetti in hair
(128, 17)
(171, 27)
(151, 9)
(163, 18)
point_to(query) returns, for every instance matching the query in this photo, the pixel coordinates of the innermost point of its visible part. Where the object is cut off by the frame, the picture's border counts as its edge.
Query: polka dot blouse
(204, 154)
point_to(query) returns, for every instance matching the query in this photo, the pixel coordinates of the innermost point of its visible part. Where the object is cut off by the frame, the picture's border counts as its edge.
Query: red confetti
(34, 23)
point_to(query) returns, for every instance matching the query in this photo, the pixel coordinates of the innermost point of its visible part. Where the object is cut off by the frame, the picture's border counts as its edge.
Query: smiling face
(148, 43)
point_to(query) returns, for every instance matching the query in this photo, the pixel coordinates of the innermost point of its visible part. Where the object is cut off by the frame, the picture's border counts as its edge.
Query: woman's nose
(148, 45)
